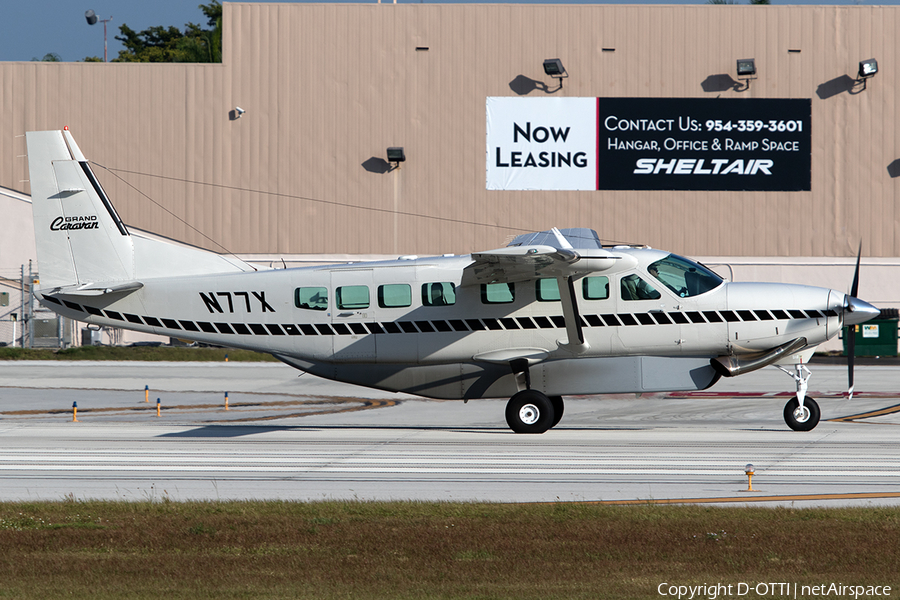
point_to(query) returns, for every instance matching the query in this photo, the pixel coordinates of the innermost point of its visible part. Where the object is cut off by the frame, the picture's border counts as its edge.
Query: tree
(201, 45)
(170, 44)
(49, 57)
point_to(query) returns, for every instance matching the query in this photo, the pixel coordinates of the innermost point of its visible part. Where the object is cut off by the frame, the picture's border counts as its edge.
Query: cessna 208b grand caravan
(554, 313)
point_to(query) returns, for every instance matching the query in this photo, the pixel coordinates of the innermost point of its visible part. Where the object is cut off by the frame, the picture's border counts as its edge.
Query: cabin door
(352, 307)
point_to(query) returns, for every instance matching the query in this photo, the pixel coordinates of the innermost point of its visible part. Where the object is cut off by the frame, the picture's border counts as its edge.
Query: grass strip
(404, 550)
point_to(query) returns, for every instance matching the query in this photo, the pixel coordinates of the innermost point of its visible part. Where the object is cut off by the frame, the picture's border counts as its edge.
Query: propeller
(856, 311)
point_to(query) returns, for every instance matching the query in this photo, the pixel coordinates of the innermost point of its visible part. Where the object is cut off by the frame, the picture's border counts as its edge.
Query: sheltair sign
(648, 144)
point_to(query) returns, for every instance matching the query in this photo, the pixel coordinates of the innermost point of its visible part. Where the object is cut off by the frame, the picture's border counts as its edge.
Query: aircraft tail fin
(79, 236)
(82, 244)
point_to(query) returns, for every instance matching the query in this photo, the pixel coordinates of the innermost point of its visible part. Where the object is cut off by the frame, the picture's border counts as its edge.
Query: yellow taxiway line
(890, 410)
(747, 498)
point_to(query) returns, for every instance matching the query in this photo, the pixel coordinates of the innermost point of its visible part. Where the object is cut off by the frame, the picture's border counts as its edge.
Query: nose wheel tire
(530, 411)
(801, 419)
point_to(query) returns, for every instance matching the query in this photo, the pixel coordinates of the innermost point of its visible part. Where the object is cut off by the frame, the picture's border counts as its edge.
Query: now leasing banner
(541, 143)
(648, 144)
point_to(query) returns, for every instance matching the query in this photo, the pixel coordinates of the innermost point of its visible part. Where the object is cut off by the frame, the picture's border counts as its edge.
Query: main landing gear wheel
(801, 419)
(558, 408)
(530, 411)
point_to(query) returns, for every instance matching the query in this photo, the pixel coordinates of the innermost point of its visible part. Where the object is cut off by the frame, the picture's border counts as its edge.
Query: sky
(33, 28)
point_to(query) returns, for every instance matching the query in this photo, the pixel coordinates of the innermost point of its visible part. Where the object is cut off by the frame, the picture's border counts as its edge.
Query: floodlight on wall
(395, 154)
(746, 70)
(867, 69)
(555, 69)
(91, 18)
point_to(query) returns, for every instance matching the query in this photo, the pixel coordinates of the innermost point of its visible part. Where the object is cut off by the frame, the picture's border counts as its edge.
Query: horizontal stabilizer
(96, 289)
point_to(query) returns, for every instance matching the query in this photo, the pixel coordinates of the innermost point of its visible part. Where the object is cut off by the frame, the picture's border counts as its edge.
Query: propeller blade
(851, 329)
(851, 354)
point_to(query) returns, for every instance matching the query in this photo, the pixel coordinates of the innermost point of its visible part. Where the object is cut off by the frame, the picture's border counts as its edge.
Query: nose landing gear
(801, 413)
(801, 418)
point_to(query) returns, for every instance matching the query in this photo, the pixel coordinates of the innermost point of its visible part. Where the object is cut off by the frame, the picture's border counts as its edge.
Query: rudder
(79, 236)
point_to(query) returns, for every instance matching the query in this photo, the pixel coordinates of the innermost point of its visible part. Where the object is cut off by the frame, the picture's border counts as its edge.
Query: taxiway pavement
(304, 438)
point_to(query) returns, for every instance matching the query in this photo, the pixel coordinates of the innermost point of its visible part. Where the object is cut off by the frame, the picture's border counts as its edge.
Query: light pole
(92, 19)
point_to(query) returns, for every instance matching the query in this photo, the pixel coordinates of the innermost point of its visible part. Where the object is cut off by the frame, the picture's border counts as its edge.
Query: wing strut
(574, 332)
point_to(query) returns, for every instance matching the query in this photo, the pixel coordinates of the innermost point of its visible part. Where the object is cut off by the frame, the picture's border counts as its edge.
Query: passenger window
(595, 288)
(441, 293)
(394, 295)
(497, 293)
(311, 298)
(353, 297)
(635, 288)
(546, 290)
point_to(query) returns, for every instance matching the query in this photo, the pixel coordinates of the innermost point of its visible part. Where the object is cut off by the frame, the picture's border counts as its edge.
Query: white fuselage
(403, 343)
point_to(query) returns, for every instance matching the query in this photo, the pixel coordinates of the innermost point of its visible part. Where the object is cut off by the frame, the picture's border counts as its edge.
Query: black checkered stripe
(459, 325)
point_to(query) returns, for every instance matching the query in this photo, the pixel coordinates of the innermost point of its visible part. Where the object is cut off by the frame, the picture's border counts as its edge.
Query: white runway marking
(604, 450)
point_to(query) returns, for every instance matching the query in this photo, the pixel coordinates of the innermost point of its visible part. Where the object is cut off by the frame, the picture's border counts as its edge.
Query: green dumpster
(877, 337)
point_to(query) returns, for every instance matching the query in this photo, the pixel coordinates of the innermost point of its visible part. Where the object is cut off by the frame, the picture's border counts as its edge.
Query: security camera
(239, 111)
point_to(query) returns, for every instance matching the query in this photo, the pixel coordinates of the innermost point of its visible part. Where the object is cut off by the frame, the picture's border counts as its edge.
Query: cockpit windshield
(684, 277)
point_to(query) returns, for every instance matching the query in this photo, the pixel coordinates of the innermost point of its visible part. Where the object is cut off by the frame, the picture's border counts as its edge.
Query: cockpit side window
(635, 288)
(684, 277)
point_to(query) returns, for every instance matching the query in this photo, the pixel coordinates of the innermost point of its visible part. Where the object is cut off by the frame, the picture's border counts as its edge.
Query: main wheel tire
(529, 411)
(801, 420)
(558, 408)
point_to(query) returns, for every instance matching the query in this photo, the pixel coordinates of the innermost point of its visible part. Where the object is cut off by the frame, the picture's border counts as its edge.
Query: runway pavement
(303, 438)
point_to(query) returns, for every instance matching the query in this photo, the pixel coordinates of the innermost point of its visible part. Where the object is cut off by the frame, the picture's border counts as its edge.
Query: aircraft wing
(526, 262)
(556, 258)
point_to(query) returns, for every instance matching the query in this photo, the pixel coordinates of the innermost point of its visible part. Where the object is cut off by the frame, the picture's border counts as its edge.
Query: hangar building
(302, 173)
